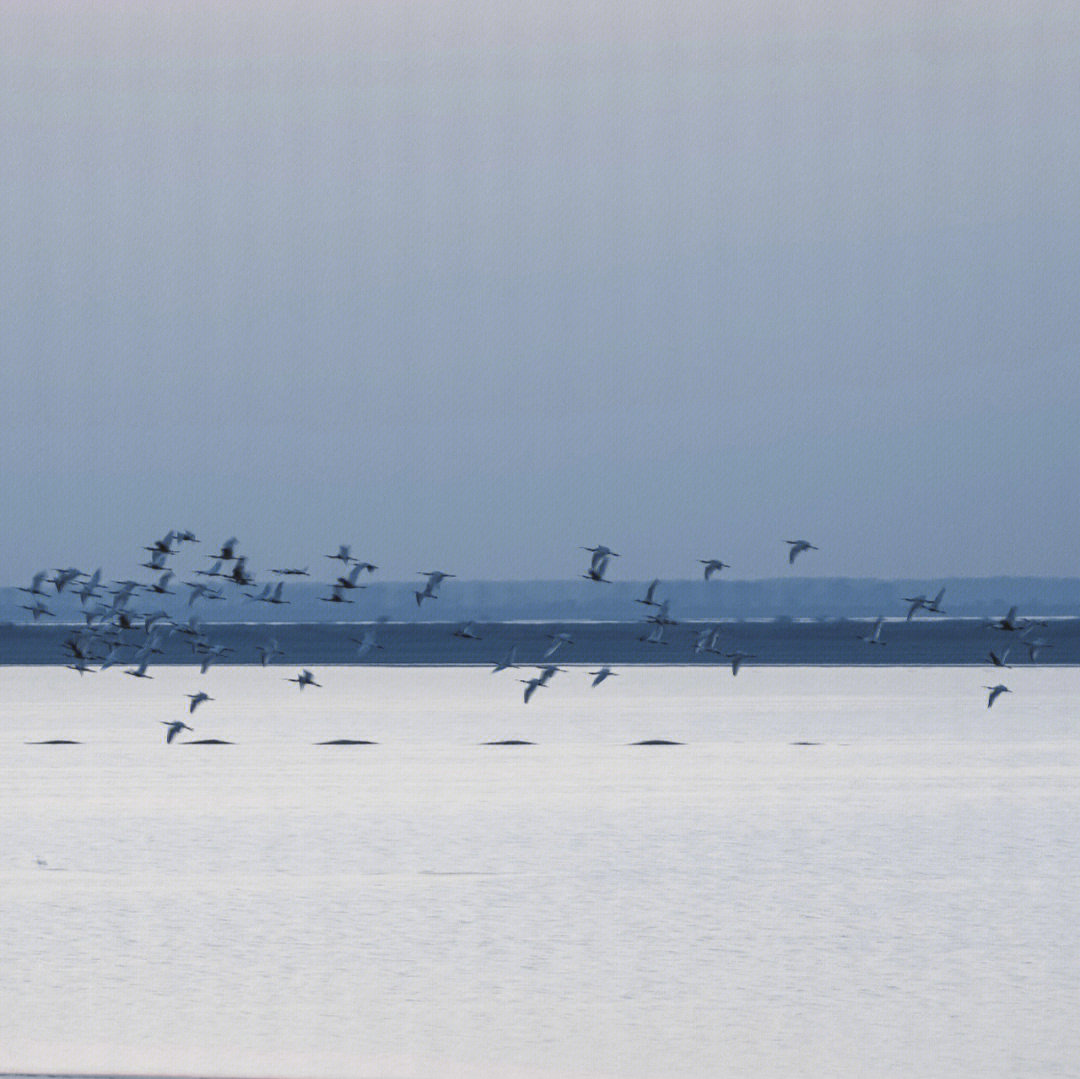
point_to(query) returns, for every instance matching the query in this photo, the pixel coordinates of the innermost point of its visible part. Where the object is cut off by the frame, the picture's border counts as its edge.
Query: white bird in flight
(874, 636)
(434, 579)
(507, 662)
(650, 592)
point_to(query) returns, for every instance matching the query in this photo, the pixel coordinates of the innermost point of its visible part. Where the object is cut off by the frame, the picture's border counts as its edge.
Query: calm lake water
(900, 899)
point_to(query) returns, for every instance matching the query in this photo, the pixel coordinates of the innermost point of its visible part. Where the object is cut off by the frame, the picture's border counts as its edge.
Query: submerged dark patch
(347, 742)
(657, 742)
(56, 742)
(206, 742)
(509, 742)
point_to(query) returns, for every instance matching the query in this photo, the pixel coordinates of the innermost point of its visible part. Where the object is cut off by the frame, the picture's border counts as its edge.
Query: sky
(468, 286)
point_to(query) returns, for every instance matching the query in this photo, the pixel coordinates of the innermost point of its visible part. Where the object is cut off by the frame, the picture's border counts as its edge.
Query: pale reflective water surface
(900, 899)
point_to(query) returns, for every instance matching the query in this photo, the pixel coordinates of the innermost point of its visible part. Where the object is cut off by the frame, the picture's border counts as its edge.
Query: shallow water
(898, 899)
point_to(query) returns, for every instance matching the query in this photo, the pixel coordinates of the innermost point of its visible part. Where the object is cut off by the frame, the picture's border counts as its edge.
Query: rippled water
(899, 899)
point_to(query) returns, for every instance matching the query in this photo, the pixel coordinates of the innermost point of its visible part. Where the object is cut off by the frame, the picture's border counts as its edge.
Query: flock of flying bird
(117, 633)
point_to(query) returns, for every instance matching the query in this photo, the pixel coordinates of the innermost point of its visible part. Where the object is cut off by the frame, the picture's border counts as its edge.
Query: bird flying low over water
(600, 675)
(934, 605)
(35, 588)
(290, 571)
(37, 609)
(365, 643)
(713, 565)
(268, 651)
(304, 678)
(559, 640)
(655, 635)
(337, 595)
(595, 572)
(197, 699)
(174, 728)
(650, 592)
(797, 548)
(342, 554)
(995, 692)
(737, 660)
(350, 580)
(507, 662)
(240, 574)
(1035, 646)
(874, 636)
(996, 660)
(467, 631)
(1010, 623)
(434, 579)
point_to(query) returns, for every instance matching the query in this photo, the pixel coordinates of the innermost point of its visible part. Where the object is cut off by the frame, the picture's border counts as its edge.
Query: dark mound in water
(206, 742)
(56, 742)
(806, 743)
(656, 742)
(509, 742)
(347, 742)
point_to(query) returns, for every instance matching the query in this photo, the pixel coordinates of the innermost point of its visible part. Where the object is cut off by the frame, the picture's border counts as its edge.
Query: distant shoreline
(772, 642)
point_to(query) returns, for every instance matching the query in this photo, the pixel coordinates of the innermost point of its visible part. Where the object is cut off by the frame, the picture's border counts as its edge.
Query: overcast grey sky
(467, 285)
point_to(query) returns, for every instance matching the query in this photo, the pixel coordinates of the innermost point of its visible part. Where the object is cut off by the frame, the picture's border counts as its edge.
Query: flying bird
(434, 579)
(995, 692)
(1010, 623)
(934, 605)
(531, 686)
(507, 662)
(595, 571)
(174, 728)
(467, 631)
(337, 595)
(559, 640)
(268, 652)
(197, 699)
(228, 550)
(874, 637)
(797, 548)
(713, 565)
(365, 644)
(35, 588)
(737, 660)
(549, 672)
(600, 552)
(600, 675)
(304, 678)
(996, 660)
(647, 599)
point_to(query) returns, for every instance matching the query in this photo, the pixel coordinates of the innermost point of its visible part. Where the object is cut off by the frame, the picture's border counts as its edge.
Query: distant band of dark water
(920, 642)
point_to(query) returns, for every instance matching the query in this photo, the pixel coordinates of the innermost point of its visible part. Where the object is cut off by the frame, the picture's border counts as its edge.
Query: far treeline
(493, 601)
